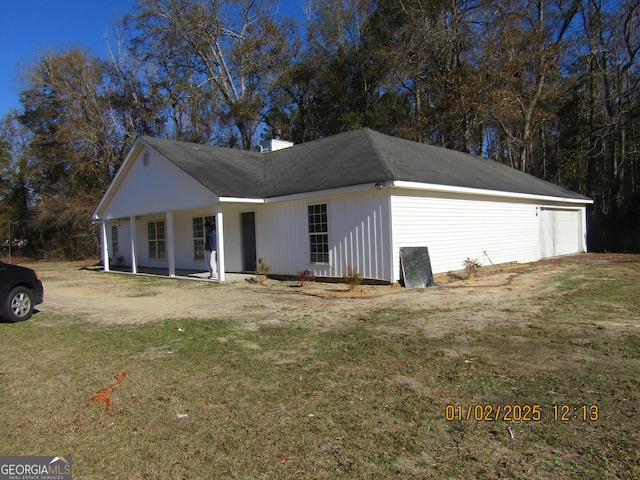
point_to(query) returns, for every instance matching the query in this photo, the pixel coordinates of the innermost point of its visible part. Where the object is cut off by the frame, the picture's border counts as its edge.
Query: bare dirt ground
(498, 294)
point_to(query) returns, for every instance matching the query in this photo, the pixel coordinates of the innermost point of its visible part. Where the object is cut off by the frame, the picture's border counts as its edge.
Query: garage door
(560, 232)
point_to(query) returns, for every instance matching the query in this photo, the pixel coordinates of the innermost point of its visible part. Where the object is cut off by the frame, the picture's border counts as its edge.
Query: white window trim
(204, 219)
(328, 253)
(157, 258)
(115, 243)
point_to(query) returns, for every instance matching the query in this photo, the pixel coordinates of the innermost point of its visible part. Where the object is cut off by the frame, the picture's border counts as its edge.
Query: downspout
(391, 249)
(583, 226)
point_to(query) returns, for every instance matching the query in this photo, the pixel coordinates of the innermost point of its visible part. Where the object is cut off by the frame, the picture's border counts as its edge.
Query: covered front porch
(171, 243)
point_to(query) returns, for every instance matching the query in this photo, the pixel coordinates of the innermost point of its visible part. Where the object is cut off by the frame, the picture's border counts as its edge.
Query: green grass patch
(595, 293)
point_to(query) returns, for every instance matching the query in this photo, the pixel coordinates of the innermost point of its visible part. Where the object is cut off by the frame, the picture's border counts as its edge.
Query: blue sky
(31, 26)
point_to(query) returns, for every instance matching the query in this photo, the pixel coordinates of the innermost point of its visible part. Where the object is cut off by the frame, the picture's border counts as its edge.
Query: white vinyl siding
(166, 188)
(456, 228)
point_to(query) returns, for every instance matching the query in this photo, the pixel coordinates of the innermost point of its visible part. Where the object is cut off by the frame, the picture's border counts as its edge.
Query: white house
(353, 199)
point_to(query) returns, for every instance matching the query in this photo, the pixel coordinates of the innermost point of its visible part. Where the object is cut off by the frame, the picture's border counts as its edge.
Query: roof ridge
(197, 146)
(380, 157)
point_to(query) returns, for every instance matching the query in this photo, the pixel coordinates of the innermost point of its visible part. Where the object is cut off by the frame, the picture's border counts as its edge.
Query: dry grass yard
(525, 371)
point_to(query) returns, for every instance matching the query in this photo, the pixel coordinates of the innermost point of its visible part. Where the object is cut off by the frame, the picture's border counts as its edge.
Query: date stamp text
(521, 413)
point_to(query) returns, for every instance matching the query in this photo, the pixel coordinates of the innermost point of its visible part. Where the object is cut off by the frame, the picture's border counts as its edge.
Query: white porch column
(170, 248)
(134, 241)
(104, 241)
(220, 238)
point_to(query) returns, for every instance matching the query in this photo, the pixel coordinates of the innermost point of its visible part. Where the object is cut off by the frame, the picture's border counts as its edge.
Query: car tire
(18, 305)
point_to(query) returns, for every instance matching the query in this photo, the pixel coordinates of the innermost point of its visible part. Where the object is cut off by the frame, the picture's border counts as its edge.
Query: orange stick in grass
(103, 394)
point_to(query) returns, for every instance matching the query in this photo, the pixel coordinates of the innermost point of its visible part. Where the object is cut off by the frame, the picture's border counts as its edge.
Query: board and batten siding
(358, 229)
(456, 228)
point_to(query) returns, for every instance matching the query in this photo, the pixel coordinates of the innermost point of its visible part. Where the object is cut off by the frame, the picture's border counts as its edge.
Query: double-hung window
(199, 234)
(115, 248)
(318, 233)
(157, 240)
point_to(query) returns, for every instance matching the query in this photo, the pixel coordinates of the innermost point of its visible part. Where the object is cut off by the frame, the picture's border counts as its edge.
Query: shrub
(352, 277)
(471, 267)
(262, 269)
(305, 276)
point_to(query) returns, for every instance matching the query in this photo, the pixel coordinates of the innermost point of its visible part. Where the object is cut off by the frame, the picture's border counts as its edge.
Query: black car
(20, 292)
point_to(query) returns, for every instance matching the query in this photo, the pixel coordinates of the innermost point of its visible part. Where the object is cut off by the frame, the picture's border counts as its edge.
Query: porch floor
(197, 275)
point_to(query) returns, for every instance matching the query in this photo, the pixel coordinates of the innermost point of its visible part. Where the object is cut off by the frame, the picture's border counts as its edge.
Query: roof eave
(326, 192)
(118, 178)
(488, 193)
(240, 200)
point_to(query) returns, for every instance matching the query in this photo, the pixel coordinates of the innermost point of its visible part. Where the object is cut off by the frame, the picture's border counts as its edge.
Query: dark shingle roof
(225, 171)
(352, 158)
